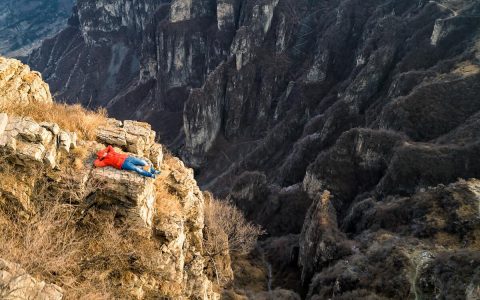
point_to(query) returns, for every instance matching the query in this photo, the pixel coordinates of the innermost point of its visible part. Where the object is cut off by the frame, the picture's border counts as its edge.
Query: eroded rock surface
(20, 85)
(134, 137)
(40, 159)
(135, 197)
(15, 283)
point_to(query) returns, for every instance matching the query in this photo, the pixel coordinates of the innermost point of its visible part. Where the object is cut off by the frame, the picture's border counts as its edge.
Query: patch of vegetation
(73, 118)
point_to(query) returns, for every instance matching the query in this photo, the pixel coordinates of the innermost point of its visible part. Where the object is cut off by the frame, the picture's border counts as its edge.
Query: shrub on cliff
(223, 218)
(227, 235)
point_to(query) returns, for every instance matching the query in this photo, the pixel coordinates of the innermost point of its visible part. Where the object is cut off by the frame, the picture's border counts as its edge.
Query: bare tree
(227, 229)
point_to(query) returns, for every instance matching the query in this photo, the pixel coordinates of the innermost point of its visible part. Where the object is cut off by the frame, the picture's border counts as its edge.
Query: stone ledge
(15, 283)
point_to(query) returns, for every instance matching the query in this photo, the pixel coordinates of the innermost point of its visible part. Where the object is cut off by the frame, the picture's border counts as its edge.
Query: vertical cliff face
(239, 71)
(277, 102)
(25, 24)
(137, 59)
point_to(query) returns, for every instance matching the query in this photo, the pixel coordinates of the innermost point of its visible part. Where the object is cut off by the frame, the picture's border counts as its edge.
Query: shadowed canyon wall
(276, 102)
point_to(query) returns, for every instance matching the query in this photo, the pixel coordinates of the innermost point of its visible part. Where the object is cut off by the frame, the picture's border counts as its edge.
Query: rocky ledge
(41, 158)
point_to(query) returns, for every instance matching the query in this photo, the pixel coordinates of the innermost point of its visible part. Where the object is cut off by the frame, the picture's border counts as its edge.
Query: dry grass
(73, 118)
(166, 202)
(78, 156)
(92, 260)
(115, 257)
(44, 246)
(91, 255)
(167, 198)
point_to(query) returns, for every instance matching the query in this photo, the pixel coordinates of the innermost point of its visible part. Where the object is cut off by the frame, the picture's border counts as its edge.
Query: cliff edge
(91, 233)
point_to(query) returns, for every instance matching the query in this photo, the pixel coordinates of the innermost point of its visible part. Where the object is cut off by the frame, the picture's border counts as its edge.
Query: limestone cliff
(44, 167)
(20, 84)
(278, 104)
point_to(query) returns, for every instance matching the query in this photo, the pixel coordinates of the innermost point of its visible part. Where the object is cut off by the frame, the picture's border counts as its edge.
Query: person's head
(102, 153)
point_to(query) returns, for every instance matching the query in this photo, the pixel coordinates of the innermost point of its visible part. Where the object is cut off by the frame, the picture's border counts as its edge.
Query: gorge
(347, 129)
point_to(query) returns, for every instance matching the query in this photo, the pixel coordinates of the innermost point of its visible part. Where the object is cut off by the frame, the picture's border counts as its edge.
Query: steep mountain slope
(24, 24)
(129, 58)
(325, 121)
(313, 67)
(97, 233)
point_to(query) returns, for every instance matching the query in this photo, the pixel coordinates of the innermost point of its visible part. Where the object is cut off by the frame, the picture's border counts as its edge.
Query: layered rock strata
(134, 197)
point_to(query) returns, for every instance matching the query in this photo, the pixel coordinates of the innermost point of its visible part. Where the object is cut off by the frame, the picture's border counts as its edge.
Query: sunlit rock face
(17, 284)
(25, 24)
(20, 85)
(36, 162)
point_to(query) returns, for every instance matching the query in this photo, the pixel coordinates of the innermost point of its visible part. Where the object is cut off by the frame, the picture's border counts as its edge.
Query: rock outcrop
(20, 84)
(134, 137)
(29, 142)
(32, 148)
(15, 283)
(41, 161)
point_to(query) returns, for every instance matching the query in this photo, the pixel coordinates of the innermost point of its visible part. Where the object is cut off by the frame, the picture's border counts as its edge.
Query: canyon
(347, 129)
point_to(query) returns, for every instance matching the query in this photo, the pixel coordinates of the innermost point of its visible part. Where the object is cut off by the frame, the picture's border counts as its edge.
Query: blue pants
(136, 164)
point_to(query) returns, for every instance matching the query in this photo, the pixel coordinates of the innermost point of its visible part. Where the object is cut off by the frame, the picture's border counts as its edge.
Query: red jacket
(108, 157)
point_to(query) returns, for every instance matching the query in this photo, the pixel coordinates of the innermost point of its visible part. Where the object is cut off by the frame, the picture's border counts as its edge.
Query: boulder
(126, 189)
(19, 85)
(113, 134)
(32, 143)
(52, 127)
(139, 136)
(29, 152)
(64, 141)
(134, 137)
(15, 283)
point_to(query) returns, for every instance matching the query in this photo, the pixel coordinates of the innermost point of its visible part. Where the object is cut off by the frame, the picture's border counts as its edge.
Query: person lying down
(109, 157)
